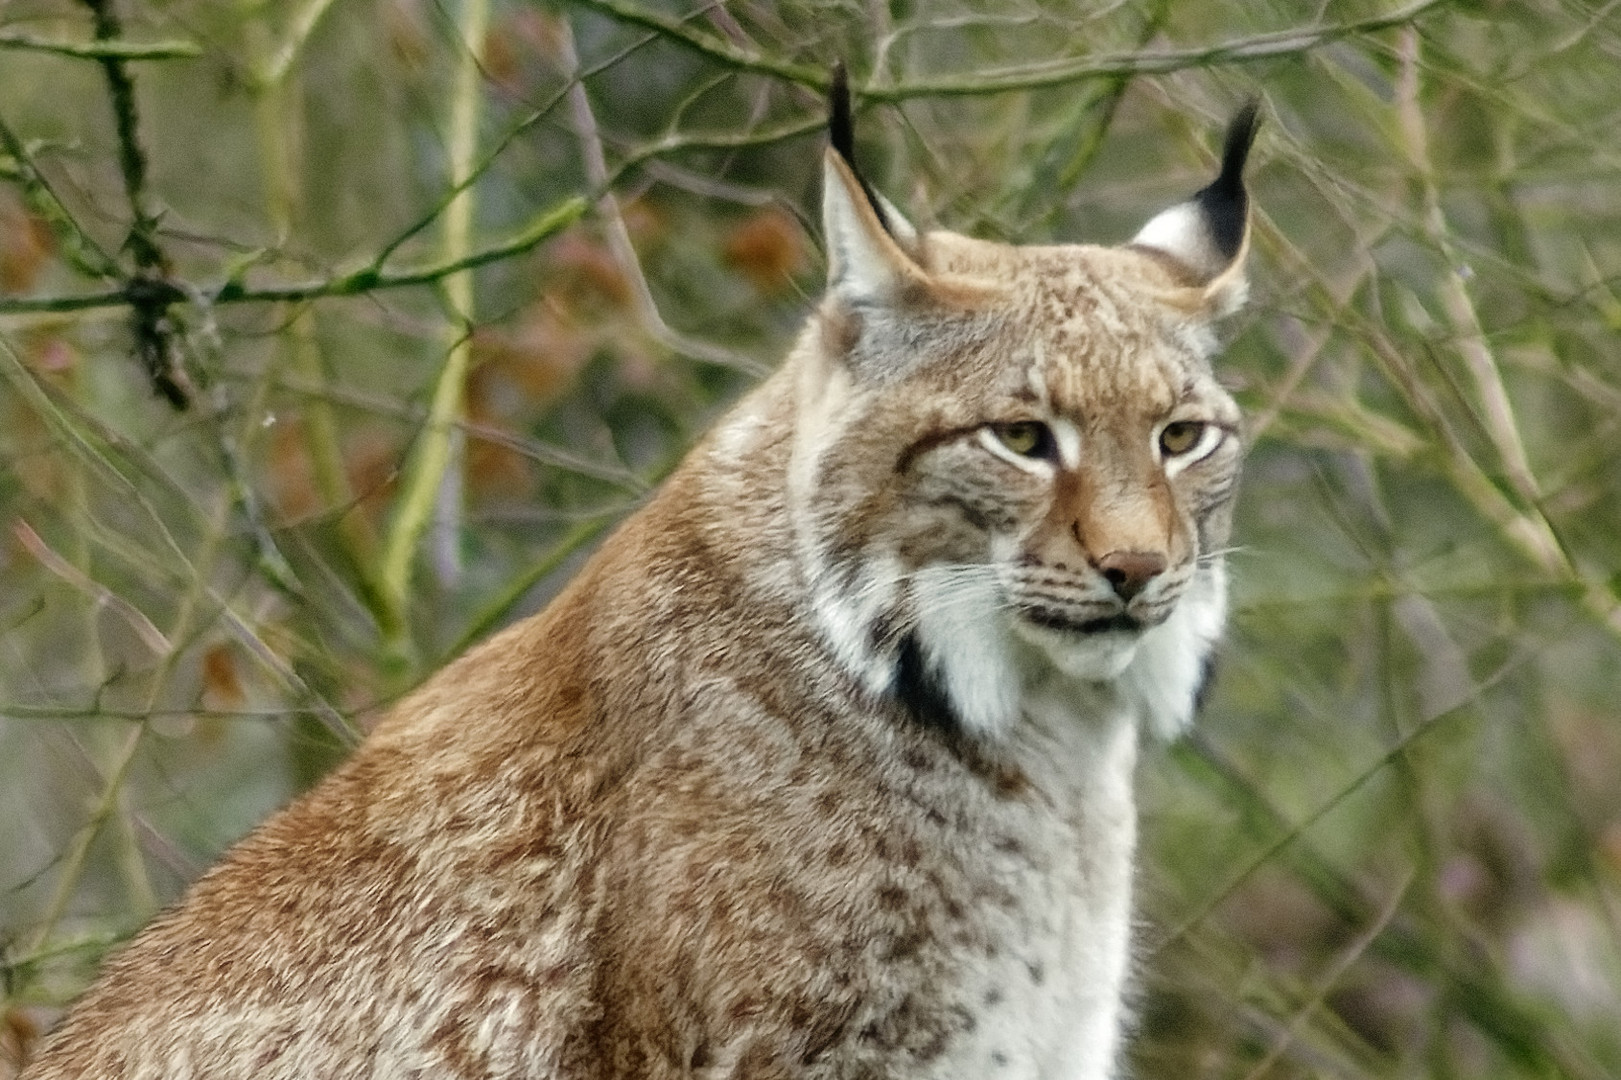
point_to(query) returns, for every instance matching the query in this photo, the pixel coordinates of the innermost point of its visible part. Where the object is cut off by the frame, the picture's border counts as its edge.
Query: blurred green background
(1393, 846)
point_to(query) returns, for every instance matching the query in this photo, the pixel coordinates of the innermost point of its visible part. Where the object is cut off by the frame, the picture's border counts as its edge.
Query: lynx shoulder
(822, 766)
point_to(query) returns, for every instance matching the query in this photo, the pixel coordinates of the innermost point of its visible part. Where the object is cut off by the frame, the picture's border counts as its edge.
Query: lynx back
(822, 765)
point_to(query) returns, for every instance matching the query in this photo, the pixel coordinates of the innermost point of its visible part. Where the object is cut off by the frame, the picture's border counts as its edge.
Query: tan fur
(691, 820)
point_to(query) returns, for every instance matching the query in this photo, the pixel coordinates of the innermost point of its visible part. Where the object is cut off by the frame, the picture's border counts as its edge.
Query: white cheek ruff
(964, 635)
(1162, 682)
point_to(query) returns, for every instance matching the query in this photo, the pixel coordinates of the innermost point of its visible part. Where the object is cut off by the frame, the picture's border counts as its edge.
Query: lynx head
(1013, 465)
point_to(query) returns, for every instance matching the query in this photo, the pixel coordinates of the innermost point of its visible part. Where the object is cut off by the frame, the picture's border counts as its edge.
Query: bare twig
(1030, 77)
(281, 133)
(148, 290)
(277, 64)
(1331, 978)
(136, 619)
(1470, 337)
(624, 252)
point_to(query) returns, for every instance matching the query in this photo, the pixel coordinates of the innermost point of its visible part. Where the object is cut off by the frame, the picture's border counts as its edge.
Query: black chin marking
(1207, 681)
(919, 689)
(1224, 203)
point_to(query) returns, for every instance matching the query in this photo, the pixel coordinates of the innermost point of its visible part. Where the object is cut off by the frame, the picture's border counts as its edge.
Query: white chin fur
(1162, 682)
(964, 635)
(1089, 657)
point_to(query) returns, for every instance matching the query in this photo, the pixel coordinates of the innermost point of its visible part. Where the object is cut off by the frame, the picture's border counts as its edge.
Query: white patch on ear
(866, 265)
(1163, 680)
(1182, 233)
(963, 632)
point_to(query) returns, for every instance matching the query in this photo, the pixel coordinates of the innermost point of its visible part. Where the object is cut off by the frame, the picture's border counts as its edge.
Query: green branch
(109, 49)
(435, 469)
(83, 252)
(1266, 46)
(369, 278)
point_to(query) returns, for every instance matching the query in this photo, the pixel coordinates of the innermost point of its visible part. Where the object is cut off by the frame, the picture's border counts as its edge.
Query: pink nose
(1130, 571)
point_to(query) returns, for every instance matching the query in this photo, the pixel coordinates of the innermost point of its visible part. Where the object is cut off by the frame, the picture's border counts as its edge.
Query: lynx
(822, 765)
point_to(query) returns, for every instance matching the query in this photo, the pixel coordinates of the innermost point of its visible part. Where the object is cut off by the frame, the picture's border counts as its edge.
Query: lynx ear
(870, 246)
(1208, 236)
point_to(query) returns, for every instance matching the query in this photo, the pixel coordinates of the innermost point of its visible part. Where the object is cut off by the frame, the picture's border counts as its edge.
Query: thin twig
(278, 116)
(1030, 77)
(101, 49)
(1331, 978)
(276, 66)
(87, 256)
(365, 280)
(1497, 413)
(618, 236)
(100, 595)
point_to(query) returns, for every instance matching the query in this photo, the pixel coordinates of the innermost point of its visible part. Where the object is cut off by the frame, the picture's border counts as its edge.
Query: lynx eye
(1027, 438)
(1181, 437)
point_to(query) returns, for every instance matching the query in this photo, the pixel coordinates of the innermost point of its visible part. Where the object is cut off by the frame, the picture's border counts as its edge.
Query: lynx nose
(1130, 571)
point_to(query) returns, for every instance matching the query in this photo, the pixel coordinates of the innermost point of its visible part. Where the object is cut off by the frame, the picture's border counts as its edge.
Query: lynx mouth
(1119, 622)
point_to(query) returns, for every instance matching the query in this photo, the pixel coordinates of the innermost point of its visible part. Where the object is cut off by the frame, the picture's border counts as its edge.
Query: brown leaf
(289, 473)
(768, 248)
(25, 246)
(222, 685)
(586, 269)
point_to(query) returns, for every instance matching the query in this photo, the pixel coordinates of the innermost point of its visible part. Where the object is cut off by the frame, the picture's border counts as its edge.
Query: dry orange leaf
(768, 248)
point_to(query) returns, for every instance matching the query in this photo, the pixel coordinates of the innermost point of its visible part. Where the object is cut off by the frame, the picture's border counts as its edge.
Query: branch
(618, 237)
(433, 478)
(148, 289)
(102, 49)
(499, 147)
(83, 252)
(677, 30)
(1112, 65)
(369, 278)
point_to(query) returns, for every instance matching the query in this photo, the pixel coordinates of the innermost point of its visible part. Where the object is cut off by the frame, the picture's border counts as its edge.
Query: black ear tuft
(841, 133)
(1224, 202)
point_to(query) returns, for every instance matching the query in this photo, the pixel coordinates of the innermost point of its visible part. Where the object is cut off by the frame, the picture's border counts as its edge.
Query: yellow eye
(1027, 438)
(1181, 437)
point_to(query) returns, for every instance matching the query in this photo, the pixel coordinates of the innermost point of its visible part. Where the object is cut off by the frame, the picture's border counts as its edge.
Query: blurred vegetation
(446, 288)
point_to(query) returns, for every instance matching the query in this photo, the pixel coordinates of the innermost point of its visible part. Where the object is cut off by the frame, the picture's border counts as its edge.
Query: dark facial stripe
(918, 688)
(928, 442)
